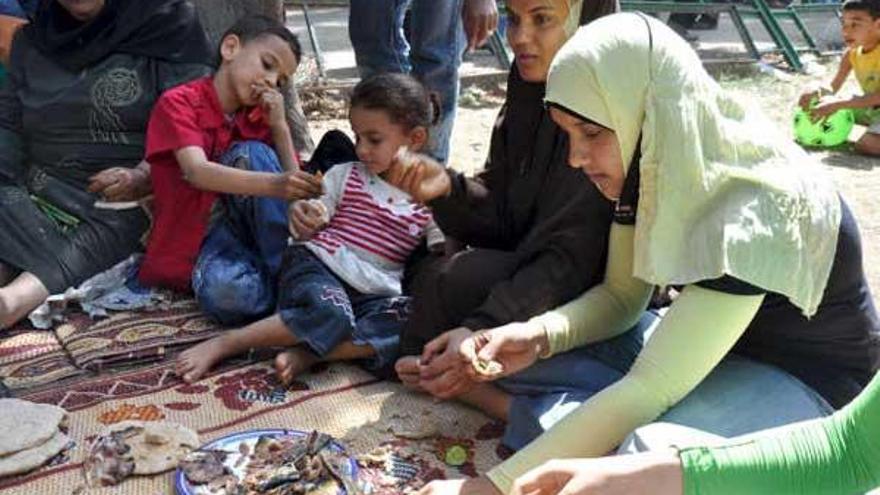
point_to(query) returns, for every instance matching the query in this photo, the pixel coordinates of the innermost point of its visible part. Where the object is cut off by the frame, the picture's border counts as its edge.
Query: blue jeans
(323, 311)
(433, 54)
(740, 396)
(237, 269)
(546, 392)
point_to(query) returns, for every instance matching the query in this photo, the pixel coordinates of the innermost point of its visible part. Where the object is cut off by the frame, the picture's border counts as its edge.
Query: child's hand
(807, 98)
(273, 107)
(419, 176)
(307, 218)
(824, 110)
(297, 184)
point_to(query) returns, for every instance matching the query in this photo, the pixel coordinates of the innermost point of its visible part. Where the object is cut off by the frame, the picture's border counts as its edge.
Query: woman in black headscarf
(83, 78)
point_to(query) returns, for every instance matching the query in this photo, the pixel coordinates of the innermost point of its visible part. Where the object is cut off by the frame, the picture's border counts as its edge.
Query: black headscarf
(531, 136)
(164, 29)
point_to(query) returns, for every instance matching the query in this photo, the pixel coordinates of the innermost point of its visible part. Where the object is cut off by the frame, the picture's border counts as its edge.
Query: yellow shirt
(866, 67)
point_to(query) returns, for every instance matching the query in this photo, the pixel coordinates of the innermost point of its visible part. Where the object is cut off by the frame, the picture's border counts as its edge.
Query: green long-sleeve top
(836, 455)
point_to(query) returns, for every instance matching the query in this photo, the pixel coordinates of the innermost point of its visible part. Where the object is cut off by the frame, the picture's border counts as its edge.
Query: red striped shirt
(363, 223)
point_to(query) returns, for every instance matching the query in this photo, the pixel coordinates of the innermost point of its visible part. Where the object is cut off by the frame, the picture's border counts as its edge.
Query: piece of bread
(24, 424)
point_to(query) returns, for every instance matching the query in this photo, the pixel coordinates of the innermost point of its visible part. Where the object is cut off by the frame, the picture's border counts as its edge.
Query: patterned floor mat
(342, 400)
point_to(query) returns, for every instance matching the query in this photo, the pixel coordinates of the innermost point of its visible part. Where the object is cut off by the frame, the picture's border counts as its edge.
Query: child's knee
(233, 300)
(255, 156)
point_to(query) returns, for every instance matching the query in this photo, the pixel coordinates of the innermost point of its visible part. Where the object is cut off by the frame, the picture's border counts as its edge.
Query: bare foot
(194, 362)
(293, 362)
(407, 369)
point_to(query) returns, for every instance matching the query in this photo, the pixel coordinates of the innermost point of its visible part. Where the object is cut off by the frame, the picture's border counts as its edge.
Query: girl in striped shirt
(339, 288)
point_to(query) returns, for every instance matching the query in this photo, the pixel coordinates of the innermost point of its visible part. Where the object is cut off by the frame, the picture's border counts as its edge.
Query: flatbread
(24, 424)
(156, 446)
(26, 460)
(406, 425)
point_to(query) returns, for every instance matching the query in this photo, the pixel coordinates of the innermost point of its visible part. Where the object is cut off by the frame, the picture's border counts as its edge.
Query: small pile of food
(137, 448)
(487, 367)
(30, 435)
(275, 464)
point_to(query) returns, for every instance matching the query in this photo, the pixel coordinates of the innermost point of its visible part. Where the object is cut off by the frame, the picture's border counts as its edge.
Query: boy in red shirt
(211, 139)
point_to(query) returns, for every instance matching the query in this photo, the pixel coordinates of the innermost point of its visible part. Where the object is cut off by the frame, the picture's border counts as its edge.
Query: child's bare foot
(407, 369)
(194, 362)
(293, 362)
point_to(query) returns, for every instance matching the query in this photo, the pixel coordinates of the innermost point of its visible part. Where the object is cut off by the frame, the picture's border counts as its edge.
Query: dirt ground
(857, 177)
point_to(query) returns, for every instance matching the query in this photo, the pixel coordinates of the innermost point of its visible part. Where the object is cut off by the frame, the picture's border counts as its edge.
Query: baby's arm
(307, 217)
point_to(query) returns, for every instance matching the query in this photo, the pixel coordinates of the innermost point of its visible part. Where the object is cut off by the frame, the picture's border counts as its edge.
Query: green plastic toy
(830, 131)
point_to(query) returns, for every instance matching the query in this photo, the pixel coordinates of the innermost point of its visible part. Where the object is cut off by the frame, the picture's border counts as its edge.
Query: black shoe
(706, 22)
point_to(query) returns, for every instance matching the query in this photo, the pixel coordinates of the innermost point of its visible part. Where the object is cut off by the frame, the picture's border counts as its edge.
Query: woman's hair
(872, 7)
(251, 27)
(402, 97)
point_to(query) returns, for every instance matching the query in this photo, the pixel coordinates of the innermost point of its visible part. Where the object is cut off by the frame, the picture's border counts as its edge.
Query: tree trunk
(218, 15)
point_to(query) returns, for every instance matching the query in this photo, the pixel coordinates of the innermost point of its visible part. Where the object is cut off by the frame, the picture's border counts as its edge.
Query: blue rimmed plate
(231, 443)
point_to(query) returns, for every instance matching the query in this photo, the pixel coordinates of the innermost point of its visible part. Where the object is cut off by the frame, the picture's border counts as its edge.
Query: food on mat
(109, 460)
(34, 457)
(398, 468)
(24, 424)
(30, 435)
(276, 463)
(157, 446)
(412, 426)
(455, 455)
(137, 448)
(205, 466)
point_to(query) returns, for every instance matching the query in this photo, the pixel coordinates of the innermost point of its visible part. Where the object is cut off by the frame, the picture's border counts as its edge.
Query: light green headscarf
(721, 190)
(573, 21)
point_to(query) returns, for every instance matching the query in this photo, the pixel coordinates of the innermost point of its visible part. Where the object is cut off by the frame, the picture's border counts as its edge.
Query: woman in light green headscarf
(710, 197)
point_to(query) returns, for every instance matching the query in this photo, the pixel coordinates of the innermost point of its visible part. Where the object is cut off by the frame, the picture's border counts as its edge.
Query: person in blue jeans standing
(439, 32)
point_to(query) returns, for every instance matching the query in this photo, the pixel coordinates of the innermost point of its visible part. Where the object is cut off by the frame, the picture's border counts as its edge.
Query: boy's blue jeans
(236, 273)
(432, 55)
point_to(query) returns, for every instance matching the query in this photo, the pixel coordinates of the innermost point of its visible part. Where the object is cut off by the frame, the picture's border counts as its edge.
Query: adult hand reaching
(442, 373)
(656, 473)
(480, 19)
(514, 346)
(121, 183)
(419, 175)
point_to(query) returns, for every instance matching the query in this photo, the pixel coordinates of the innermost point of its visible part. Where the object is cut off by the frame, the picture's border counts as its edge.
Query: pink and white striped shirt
(373, 229)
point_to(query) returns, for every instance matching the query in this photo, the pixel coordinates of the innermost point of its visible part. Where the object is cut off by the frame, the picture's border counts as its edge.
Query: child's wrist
(280, 126)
